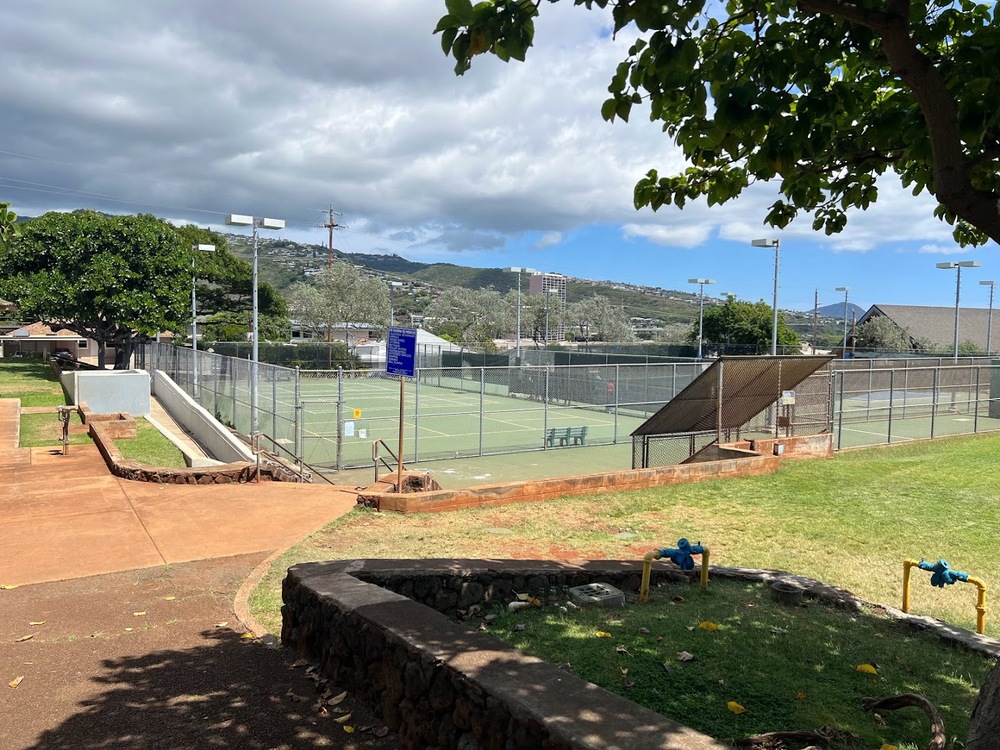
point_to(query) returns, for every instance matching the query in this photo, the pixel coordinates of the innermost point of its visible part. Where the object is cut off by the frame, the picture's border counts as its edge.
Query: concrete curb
(241, 602)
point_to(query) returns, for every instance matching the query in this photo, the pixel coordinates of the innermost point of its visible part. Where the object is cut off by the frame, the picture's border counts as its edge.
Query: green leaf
(460, 9)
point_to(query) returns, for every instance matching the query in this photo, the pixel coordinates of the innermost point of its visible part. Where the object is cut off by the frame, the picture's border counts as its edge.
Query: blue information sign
(401, 351)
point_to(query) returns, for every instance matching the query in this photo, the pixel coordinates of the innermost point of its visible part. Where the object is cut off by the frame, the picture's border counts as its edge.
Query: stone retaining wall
(383, 630)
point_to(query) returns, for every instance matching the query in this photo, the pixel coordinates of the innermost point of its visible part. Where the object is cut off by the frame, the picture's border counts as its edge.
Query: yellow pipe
(980, 605)
(980, 597)
(907, 564)
(647, 565)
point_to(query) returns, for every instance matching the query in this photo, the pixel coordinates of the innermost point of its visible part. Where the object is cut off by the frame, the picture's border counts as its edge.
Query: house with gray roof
(935, 326)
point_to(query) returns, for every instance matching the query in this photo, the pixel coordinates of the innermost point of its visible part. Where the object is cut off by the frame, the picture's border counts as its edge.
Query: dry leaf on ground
(15, 682)
(24, 638)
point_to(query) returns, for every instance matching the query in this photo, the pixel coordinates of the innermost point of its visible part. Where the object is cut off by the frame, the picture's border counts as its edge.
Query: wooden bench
(566, 436)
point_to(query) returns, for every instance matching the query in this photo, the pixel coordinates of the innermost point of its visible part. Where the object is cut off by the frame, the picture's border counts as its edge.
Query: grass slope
(849, 521)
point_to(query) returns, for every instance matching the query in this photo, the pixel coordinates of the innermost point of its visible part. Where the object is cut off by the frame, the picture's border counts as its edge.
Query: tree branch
(916, 700)
(952, 185)
(870, 19)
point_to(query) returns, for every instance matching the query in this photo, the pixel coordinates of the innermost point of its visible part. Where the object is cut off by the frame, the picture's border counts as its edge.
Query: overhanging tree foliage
(822, 96)
(110, 278)
(8, 221)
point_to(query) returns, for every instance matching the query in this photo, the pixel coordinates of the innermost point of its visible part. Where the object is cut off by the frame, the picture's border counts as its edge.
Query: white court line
(880, 434)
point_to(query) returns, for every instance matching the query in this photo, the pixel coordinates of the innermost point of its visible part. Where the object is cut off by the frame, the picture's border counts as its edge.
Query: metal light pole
(240, 220)
(958, 266)
(846, 290)
(776, 243)
(701, 308)
(518, 270)
(989, 324)
(194, 317)
(393, 285)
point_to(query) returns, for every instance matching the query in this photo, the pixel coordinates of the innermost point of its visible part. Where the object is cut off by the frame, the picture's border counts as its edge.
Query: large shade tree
(743, 324)
(474, 317)
(597, 318)
(821, 96)
(339, 297)
(110, 278)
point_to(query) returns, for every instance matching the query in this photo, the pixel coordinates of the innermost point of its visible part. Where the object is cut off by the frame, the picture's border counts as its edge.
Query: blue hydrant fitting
(681, 556)
(942, 574)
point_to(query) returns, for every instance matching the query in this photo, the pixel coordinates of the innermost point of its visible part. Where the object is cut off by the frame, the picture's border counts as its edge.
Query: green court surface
(513, 467)
(879, 429)
(445, 422)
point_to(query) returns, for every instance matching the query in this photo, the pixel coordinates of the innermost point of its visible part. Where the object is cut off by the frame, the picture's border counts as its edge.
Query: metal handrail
(298, 461)
(376, 458)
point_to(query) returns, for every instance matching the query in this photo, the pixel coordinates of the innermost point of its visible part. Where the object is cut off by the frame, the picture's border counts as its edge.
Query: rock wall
(383, 629)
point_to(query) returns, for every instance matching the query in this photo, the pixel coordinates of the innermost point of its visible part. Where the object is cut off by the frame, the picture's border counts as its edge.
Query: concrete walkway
(68, 517)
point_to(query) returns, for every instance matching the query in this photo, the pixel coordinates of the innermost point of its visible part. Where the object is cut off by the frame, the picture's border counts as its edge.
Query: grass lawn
(849, 521)
(32, 381)
(789, 667)
(150, 447)
(38, 430)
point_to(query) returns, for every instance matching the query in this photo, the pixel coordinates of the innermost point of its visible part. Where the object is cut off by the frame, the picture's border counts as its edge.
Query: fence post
(934, 396)
(482, 406)
(235, 365)
(297, 424)
(975, 410)
(892, 395)
(274, 403)
(840, 419)
(340, 419)
(416, 413)
(545, 412)
(618, 394)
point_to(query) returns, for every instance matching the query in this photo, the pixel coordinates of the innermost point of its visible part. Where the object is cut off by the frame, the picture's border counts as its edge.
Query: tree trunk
(123, 352)
(984, 726)
(101, 353)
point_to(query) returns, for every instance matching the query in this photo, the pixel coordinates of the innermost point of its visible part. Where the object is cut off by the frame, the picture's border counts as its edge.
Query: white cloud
(669, 236)
(943, 250)
(549, 239)
(197, 109)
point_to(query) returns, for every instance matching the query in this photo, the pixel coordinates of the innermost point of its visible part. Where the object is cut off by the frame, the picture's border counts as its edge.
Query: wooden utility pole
(331, 225)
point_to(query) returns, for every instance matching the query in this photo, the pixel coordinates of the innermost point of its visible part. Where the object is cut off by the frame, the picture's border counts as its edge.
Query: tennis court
(446, 417)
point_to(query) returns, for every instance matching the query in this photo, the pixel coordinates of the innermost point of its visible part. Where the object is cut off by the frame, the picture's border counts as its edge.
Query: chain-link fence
(331, 418)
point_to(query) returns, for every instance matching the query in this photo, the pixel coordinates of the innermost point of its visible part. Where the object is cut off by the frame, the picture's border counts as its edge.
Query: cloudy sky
(191, 110)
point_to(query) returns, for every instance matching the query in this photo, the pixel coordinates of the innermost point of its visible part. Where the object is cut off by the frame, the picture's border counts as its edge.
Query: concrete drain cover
(598, 595)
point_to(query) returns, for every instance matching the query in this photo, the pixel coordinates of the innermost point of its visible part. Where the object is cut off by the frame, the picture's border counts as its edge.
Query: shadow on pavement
(229, 693)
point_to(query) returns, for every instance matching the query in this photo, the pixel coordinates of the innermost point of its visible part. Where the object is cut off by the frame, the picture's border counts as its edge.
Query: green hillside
(284, 262)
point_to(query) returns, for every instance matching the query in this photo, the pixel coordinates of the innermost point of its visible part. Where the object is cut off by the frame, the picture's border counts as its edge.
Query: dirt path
(155, 658)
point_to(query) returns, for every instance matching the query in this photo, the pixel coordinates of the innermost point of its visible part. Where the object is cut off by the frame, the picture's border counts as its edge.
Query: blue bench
(565, 436)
